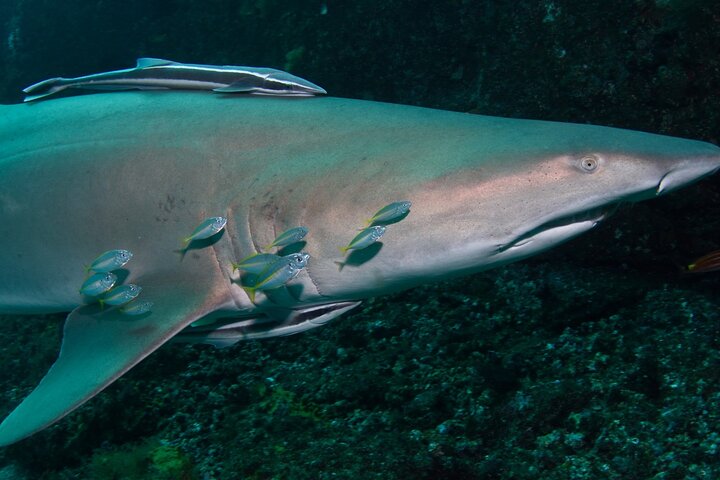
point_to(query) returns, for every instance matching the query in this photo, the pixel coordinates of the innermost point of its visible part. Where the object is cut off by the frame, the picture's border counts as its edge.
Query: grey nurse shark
(140, 170)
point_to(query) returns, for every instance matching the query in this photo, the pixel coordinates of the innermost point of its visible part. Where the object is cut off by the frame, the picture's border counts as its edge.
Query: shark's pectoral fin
(271, 322)
(99, 345)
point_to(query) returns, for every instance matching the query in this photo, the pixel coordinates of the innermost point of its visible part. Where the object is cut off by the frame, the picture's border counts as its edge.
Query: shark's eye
(589, 163)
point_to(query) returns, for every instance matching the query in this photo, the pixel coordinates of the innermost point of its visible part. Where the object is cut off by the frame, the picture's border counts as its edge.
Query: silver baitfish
(110, 260)
(98, 284)
(256, 263)
(279, 273)
(136, 307)
(288, 237)
(156, 73)
(389, 213)
(365, 238)
(120, 295)
(208, 228)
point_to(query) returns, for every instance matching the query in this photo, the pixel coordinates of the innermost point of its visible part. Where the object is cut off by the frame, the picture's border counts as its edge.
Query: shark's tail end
(43, 89)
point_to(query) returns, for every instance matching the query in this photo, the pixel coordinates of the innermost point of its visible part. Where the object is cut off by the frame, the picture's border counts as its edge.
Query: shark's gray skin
(138, 170)
(157, 73)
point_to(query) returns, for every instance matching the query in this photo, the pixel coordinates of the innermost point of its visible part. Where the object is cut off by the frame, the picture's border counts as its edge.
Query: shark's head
(501, 199)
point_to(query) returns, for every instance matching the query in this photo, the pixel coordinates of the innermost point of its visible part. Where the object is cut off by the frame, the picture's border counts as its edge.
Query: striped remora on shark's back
(156, 73)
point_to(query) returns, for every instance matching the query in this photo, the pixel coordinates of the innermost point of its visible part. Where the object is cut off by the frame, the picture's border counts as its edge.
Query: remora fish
(505, 190)
(156, 73)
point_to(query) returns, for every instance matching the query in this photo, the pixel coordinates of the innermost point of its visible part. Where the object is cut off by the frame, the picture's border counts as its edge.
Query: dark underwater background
(598, 359)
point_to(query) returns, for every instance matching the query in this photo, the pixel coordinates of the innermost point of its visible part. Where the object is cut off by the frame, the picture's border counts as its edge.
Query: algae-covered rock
(148, 460)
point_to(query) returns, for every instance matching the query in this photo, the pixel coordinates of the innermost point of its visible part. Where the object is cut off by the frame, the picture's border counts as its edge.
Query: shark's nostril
(684, 174)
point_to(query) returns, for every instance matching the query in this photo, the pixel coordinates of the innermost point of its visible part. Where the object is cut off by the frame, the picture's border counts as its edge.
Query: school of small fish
(377, 225)
(277, 274)
(268, 271)
(262, 270)
(101, 285)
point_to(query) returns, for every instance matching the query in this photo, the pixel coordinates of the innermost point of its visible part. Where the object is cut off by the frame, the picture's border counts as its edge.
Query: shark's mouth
(559, 229)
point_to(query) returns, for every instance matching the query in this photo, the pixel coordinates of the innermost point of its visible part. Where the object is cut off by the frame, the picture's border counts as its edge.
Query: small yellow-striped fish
(110, 260)
(98, 284)
(208, 228)
(390, 213)
(288, 237)
(365, 238)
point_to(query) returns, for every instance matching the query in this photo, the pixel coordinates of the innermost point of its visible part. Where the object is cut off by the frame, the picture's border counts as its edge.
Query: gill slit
(226, 274)
(309, 267)
(250, 230)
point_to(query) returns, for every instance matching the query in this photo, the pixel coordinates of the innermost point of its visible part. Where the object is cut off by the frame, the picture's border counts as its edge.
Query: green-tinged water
(598, 359)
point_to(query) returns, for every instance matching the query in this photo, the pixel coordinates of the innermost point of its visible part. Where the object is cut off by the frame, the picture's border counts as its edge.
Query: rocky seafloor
(540, 370)
(598, 359)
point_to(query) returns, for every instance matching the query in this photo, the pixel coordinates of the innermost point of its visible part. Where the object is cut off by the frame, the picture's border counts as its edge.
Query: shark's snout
(688, 171)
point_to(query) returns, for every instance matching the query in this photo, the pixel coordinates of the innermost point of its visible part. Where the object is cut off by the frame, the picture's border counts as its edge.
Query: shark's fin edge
(98, 347)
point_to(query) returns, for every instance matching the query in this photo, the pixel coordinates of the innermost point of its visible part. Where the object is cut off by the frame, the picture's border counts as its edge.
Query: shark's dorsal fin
(98, 347)
(146, 62)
